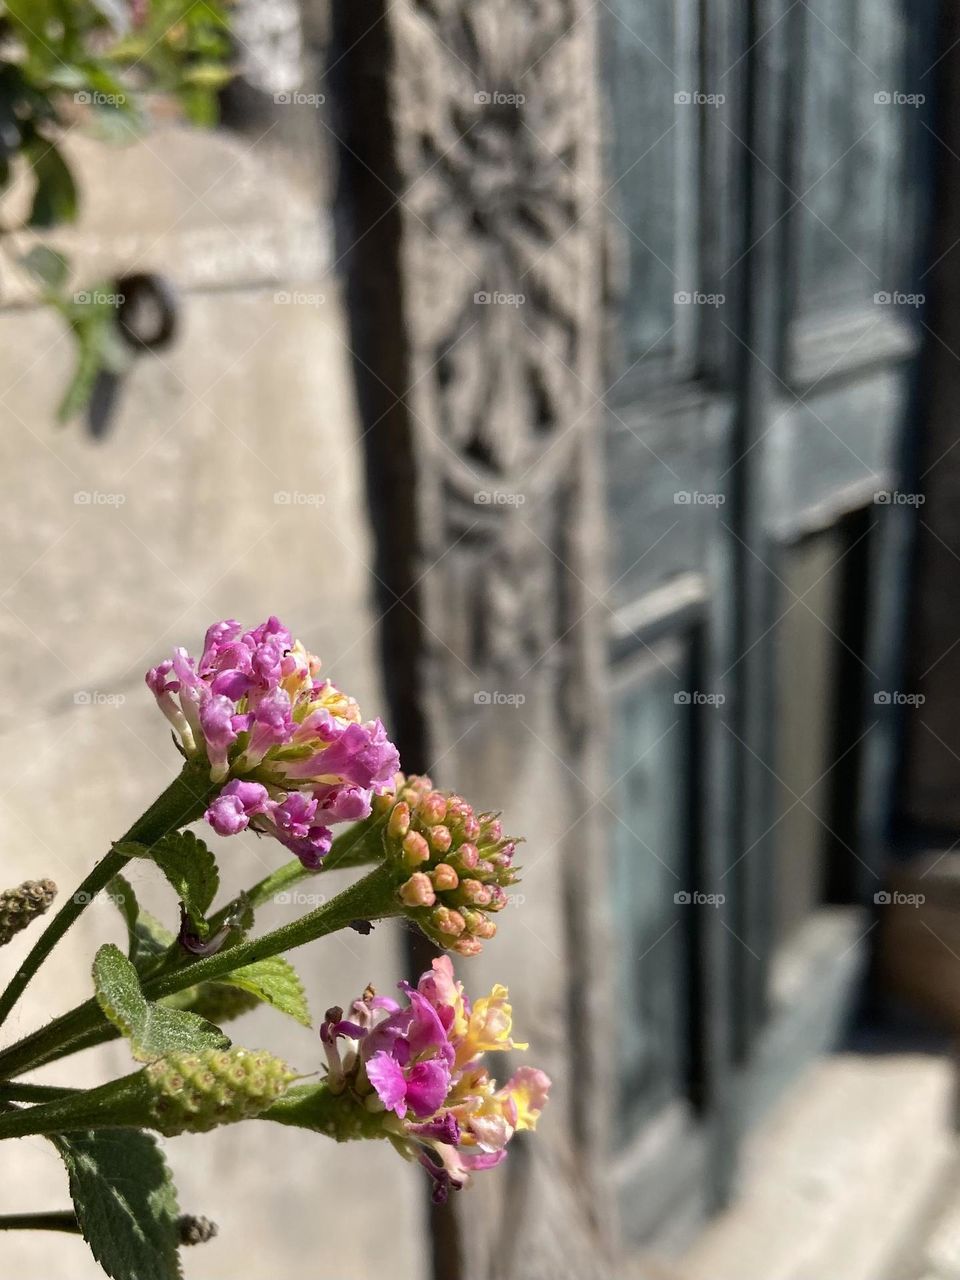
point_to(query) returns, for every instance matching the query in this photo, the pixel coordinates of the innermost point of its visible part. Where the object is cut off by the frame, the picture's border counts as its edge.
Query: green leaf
(55, 197)
(274, 981)
(152, 1029)
(120, 891)
(125, 1202)
(153, 939)
(213, 1000)
(47, 266)
(189, 866)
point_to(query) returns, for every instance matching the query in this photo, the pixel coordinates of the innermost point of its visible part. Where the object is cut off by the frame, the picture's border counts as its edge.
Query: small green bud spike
(196, 1092)
(21, 905)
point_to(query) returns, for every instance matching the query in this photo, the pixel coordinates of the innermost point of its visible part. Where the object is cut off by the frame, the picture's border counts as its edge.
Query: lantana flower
(290, 748)
(420, 1065)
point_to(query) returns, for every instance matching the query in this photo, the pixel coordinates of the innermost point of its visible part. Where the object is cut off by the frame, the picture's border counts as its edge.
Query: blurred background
(580, 379)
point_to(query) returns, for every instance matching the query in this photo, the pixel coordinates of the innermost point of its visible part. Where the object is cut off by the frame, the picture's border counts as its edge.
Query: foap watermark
(694, 498)
(297, 298)
(296, 498)
(83, 898)
(894, 98)
(697, 698)
(694, 98)
(895, 298)
(98, 298)
(897, 498)
(93, 98)
(497, 98)
(97, 698)
(498, 498)
(694, 298)
(696, 898)
(894, 898)
(297, 99)
(94, 498)
(498, 698)
(897, 698)
(496, 298)
(298, 898)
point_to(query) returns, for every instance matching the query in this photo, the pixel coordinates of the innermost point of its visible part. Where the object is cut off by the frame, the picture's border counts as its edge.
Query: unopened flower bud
(444, 876)
(448, 922)
(399, 823)
(415, 849)
(433, 807)
(195, 1092)
(417, 891)
(439, 839)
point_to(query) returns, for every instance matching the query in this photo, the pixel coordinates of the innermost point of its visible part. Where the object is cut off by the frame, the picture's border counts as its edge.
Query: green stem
(340, 1116)
(371, 898)
(33, 1092)
(183, 801)
(64, 1221)
(359, 846)
(118, 1104)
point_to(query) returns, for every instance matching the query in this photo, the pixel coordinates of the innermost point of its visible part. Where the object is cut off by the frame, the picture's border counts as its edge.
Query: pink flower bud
(433, 807)
(399, 821)
(447, 921)
(415, 849)
(440, 839)
(417, 891)
(444, 877)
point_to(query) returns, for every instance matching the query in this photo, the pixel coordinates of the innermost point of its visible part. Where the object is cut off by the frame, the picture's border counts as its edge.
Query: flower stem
(359, 846)
(183, 801)
(63, 1221)
(371, 898)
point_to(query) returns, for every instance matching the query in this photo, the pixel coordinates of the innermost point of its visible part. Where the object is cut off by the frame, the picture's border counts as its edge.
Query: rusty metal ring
(147, 313)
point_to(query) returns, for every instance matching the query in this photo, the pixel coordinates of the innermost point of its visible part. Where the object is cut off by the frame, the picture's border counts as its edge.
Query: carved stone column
(471, 236)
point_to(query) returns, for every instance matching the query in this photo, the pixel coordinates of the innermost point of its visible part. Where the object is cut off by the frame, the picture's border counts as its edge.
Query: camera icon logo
(882, 299)
(882, 698)
(682, 698)
(481, 298)
(883, 98)
(282, 498)
(283, 99)
(683, 99)
(882, 898)
(482, 698)
(683, 298)
(482, 99)
(682, 898)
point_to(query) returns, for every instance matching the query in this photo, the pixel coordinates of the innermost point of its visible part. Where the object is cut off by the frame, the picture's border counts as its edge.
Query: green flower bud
(195, 1092)
(21, 905)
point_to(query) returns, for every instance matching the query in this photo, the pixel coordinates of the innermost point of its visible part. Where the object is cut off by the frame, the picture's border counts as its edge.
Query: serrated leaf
(190, 868)
(152, 1029)
(274, 981)
(125, 1202)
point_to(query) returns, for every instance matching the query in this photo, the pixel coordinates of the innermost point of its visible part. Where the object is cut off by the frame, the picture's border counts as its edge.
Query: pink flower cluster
(290, 748)
(421, 1063)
